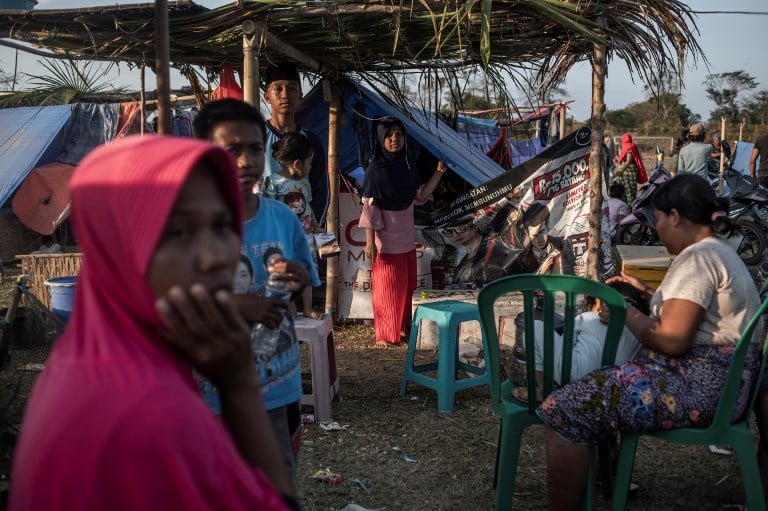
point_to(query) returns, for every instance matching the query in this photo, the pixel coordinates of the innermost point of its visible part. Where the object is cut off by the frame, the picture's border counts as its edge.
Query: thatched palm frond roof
(364, 36)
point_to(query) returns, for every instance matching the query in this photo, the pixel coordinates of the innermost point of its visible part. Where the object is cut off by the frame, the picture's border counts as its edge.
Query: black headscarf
(391, 179)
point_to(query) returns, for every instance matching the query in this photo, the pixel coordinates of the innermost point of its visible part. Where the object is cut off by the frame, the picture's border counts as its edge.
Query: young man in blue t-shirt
(239, 128)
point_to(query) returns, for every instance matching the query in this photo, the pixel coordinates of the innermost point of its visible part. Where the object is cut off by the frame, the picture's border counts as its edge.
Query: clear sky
(730, 41)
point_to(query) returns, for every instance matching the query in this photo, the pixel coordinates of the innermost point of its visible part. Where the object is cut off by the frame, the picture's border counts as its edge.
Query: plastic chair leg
(508, 457)
(410, 355)
(624, 468)
(588, 497)
(606, 467)
(321, 381)
(750, 473)
(446, 368)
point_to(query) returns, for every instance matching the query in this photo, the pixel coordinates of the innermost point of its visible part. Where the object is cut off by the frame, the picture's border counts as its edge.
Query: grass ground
(399, 453)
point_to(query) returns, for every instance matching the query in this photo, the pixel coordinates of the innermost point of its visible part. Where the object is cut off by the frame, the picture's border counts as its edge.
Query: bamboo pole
(162, 63)
(596, 160)
(562, 122)
(287, 50)
(331, 94)
(722, 155)
(142, 96)
(7, 322)
(250, 66)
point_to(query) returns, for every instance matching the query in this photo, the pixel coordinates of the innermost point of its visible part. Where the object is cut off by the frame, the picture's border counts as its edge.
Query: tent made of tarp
(28, 137)
(362, 106)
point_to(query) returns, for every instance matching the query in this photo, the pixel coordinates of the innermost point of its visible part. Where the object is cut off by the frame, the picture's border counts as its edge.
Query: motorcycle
(639, 226)
(748, 209)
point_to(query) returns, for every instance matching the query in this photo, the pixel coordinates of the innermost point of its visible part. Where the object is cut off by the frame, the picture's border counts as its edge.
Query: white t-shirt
(711, 274)
(616, 207)
(589, 335)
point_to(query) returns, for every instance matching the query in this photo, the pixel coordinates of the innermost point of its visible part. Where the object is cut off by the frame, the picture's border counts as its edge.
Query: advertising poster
(532, 219)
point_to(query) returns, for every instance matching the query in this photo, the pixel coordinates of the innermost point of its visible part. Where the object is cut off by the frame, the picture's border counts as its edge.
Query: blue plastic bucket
(62, 291)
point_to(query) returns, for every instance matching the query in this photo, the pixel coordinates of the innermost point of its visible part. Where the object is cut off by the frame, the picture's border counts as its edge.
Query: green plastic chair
(721, 431)
(515, 415)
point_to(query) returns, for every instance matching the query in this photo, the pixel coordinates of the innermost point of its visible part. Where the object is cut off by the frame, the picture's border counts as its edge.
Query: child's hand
(292, 272)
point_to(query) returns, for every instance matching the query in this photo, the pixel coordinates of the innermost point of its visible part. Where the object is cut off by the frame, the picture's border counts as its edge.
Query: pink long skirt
(393, 283)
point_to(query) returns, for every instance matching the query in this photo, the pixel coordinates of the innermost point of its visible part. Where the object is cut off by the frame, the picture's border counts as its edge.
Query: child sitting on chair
(589, 333)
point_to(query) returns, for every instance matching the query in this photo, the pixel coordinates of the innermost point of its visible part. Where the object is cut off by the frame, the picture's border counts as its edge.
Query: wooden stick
(162, 68)
(143, 96)
(250, 66)
(599, 68)
(332, 219)
(288, 50)
(722, 154)
(10, 315)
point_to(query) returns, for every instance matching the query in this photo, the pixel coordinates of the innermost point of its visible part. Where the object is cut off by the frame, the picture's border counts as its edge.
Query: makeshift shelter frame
(375, 40)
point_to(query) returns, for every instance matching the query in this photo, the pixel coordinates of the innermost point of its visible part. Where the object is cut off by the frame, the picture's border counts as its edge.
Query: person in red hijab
(116, 421)
(631, 170)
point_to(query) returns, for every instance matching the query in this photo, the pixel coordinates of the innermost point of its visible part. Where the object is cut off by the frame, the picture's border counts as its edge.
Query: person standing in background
(617, 208)
(674, 156)
(694, 155)
(267, 225)
(391, 187)
(720, 147)
(283, 95)
(610, 158)
(761, 150)
(631, 170)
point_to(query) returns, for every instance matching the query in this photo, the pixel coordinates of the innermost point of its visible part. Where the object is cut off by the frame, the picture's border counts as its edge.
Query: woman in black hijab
(391, 187)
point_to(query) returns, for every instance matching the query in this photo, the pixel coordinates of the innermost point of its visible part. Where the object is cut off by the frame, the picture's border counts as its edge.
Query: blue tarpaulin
(28, 138)
(361, 106)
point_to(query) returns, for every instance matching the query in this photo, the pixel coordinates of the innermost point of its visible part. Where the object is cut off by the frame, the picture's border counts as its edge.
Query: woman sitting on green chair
(696, 317)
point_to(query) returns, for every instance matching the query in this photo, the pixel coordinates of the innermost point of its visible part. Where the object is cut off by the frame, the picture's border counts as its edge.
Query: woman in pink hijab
(115, 420)
(631, 170)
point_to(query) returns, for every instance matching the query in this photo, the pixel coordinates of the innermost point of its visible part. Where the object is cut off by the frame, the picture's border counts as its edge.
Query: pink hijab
(115, 420)
(627, 146)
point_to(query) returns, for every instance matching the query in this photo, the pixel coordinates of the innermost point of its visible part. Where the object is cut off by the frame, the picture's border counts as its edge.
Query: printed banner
(532, 219)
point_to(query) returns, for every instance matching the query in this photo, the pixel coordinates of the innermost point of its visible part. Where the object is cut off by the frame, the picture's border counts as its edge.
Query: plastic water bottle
(264, 340)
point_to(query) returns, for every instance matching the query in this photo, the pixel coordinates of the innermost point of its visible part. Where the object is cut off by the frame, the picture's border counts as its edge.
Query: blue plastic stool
(448, 315)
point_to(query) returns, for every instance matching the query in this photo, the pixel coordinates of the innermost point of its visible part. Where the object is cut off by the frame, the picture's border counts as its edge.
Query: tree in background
(64, 83)
(724, 89)
(6, 80)
(661, 114)
(754, 112)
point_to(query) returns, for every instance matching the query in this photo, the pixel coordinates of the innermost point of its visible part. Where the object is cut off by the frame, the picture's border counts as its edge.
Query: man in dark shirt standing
(761, 150)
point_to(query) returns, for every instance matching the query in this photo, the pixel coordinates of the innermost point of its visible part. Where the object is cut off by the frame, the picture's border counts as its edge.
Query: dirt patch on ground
(455, 453)
(399, 453)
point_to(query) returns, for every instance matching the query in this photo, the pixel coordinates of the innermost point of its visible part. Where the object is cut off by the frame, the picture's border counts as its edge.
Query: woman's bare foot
(382, 345)
(313, 314)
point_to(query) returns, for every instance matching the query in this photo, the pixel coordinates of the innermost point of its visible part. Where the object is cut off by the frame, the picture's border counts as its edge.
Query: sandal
(521, 394)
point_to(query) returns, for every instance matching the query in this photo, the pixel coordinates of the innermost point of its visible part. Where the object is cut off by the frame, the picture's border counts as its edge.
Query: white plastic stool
(325, 379)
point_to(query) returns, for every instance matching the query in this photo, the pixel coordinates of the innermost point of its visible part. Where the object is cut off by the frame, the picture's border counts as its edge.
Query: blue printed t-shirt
(318, 176)
(294, 193)
(275, 225)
